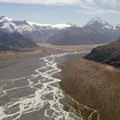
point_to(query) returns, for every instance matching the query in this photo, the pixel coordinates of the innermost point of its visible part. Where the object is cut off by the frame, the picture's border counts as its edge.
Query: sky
(61, 11)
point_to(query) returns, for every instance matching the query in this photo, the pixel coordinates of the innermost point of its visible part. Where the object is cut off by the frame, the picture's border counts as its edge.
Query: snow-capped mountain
(98, 23)
(95, 31)
(34, 31)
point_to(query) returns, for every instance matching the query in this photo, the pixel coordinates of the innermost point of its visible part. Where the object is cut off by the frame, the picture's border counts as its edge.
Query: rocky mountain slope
(14, 42)
(109, 54)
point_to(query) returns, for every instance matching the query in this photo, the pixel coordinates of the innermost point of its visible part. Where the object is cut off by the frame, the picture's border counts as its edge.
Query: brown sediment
(46, 49)
(92, 84)
(68, 48)
(16, 64)
(7, 54)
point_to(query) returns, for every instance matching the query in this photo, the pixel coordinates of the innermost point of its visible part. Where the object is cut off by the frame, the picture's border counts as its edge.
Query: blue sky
(61, 11)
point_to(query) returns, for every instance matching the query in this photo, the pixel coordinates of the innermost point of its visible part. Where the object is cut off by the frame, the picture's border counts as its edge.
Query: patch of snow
(58, 26)
(3, 18)
(99, 21)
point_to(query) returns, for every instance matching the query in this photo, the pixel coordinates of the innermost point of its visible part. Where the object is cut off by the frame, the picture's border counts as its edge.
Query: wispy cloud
(65, 2)
(106, 2)
(100, 7)
(111, 2)
(44, 2)
(99, 12)
(85, 6)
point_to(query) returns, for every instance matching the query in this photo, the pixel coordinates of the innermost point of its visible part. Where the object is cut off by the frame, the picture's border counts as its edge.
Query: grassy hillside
(93, 84)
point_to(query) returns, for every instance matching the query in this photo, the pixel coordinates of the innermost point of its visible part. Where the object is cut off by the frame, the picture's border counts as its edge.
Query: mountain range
(96, 31)
(37, 32)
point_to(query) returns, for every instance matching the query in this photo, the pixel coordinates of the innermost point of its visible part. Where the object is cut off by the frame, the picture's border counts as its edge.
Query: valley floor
(17, 64)
(92, 84)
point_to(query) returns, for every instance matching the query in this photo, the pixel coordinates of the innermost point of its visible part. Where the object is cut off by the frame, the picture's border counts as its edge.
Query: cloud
(111, 2)
(95, 8)
(102, 12)
(100, 7)
(44, 2)
(65, 2)
(85, 6)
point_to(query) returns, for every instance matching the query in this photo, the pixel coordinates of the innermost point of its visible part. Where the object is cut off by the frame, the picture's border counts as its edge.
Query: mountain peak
(96, 20)
(3, 18)
(98, 23)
